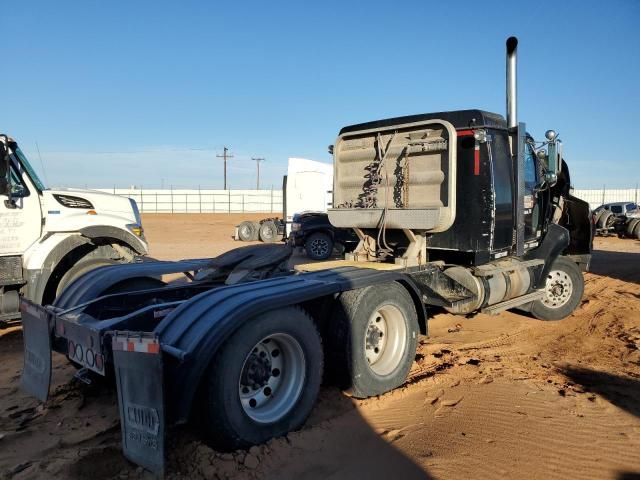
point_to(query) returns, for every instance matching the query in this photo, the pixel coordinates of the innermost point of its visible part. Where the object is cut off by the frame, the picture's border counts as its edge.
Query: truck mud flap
(36, 334)
(138, 365)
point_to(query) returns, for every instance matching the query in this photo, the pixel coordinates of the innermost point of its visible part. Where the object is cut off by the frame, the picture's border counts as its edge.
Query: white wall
(202, 201)
(597, 197)
(270, 201)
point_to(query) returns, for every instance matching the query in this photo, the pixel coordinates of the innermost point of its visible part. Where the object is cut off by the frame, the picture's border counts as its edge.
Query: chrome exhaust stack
(512, 83)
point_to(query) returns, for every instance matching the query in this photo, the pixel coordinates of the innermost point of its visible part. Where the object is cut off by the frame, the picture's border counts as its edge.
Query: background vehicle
(313, 232)
(307, 187)
(50, 237)
(459, 210)
(605, 216)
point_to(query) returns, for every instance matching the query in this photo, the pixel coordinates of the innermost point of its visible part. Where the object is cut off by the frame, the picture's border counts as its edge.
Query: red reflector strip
(476, 160)
(464, 133)
(141, 345)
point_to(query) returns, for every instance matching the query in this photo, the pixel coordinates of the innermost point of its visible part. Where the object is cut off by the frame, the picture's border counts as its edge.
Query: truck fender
(106, 231)
(37, 279)
(553, 244)
(92, 284)
(195, 330)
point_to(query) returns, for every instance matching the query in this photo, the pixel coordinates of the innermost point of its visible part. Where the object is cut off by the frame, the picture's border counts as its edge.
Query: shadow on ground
(621, 265)
(621, 391)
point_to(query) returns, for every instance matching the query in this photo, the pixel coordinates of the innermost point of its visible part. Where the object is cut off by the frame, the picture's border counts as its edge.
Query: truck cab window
(530, 173)
(18, 187)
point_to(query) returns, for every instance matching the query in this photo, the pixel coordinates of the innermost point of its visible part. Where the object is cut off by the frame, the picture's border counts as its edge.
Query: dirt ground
(503, 396)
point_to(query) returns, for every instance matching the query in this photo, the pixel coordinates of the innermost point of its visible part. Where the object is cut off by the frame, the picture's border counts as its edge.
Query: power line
(258, 160)
(225, 155)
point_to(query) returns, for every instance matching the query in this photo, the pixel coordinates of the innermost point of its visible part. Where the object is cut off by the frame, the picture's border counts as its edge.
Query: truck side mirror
(554, 161)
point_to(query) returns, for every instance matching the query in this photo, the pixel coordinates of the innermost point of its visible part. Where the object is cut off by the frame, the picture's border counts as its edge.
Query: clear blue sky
(144, 92)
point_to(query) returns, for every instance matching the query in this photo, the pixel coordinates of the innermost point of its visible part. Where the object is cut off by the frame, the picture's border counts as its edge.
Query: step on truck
(50, 237)
(461, 211)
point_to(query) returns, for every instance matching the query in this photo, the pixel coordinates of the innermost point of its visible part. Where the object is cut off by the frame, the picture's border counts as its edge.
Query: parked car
(314, 232)
(605, 216)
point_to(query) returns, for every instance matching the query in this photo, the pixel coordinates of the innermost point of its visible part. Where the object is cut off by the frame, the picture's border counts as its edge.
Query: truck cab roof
(458, 118)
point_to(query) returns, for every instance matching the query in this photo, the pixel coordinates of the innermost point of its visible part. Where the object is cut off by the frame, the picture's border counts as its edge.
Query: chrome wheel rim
(558, 289)
(385, 339)
(267, 233)
(272, 378)
(319, 247)
(245, 231)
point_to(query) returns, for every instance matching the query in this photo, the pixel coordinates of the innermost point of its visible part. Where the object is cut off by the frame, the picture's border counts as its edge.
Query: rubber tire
(226, 425)
(604, 218)
(351, 317)
(596, 216)
(80, 269)
(256, 231)
(635, 232)
(542, 312)
(247, 231)
(322, 237)
(269, 232)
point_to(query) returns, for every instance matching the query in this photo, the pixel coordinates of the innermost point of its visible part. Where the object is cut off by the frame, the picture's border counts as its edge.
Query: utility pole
(225, 155)
(258, 160)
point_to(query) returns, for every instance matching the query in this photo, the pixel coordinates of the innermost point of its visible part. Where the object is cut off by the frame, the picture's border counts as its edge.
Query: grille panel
(10, 270)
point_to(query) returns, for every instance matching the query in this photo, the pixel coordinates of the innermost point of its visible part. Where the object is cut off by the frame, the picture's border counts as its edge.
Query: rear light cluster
(87, 356)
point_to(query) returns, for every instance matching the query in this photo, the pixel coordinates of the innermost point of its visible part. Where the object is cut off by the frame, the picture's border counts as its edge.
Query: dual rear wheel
(264, 381)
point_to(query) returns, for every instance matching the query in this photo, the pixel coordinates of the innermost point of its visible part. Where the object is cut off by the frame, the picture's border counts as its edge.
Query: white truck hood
(101, 202)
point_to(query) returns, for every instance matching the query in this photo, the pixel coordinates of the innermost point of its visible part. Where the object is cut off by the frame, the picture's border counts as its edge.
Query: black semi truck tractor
(462, 211)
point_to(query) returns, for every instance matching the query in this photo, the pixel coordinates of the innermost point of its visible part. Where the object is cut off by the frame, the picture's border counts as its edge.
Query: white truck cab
(50, 237)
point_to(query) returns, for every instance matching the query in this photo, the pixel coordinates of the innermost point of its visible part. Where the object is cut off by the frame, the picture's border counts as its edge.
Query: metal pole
(272, 199)
(229, 206)
(225, 155)
(512, 86)
(200, 198)
(171, 194)
(258, 160)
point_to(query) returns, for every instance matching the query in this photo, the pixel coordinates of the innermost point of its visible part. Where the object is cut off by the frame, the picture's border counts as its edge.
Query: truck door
(531, 201)
(20, 217)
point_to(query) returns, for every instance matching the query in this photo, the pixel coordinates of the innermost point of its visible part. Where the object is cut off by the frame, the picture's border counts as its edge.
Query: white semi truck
(50, 237)
(307, 187)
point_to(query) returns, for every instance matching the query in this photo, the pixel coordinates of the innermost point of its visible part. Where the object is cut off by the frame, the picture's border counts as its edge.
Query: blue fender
(92, 284)
(198, 327)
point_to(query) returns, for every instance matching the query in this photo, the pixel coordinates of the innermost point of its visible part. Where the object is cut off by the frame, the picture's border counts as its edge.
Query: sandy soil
(488, 397)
